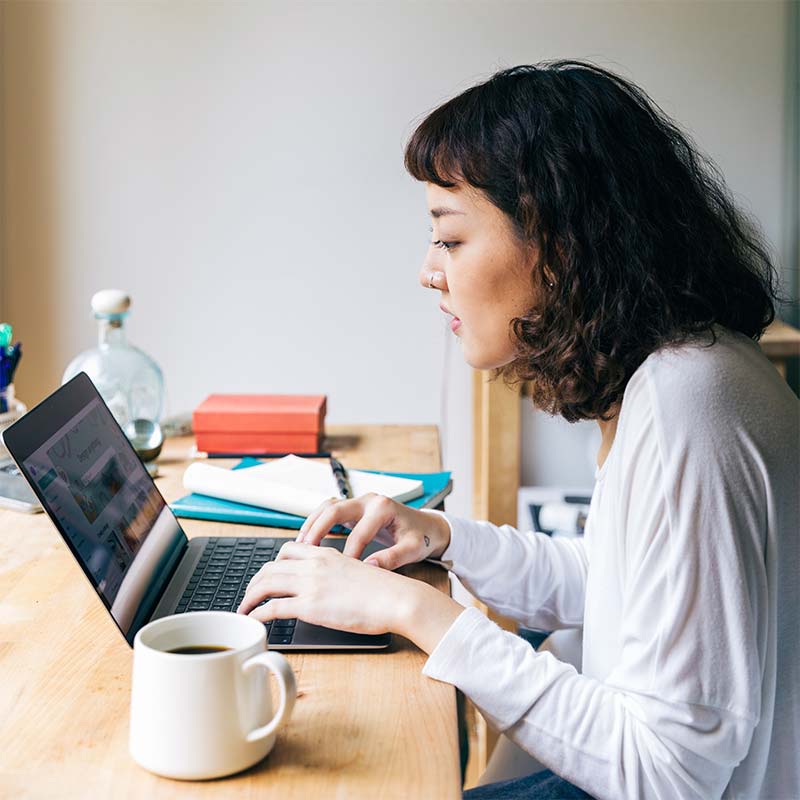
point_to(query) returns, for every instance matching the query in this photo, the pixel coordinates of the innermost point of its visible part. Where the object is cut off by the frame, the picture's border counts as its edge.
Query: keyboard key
(282, 630)
(275, 638)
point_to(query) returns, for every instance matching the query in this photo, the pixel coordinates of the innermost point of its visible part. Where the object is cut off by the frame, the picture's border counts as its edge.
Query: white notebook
(291, 484)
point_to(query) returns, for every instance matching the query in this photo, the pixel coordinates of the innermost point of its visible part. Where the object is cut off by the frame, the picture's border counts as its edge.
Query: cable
(443, 397)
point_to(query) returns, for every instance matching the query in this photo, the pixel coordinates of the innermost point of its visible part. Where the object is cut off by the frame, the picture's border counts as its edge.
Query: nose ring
(430, 282)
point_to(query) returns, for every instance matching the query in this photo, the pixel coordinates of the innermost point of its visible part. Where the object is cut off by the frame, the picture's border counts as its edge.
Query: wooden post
(496, 463)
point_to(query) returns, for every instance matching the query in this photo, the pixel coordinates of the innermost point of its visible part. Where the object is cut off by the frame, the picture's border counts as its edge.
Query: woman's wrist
(427, 615)
(441, 537)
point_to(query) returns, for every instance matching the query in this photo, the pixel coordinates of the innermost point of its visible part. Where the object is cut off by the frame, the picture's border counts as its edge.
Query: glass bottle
(128, 380)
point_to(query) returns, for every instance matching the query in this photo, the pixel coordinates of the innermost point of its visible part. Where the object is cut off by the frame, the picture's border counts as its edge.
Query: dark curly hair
(640, 244)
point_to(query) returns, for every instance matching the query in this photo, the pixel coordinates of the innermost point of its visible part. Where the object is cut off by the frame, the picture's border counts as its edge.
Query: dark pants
(539, 786)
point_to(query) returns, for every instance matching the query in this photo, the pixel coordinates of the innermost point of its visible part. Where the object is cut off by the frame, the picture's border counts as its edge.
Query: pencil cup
(200, 703)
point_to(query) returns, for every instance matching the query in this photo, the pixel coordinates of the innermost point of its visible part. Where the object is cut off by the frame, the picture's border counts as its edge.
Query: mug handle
(279, 667)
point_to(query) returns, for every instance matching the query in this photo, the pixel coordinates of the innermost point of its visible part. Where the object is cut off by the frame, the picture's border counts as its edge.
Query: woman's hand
(321, 586)
(413, 534)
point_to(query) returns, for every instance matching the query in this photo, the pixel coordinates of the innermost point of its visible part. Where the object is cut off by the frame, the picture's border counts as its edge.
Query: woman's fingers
(312, 518)
(378, 514)
(277, 608)
(274, 579)
(333, 512)
(406, 552)
(302, 551)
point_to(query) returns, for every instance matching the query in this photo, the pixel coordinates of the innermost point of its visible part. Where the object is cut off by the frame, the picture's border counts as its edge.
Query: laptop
(95, 489)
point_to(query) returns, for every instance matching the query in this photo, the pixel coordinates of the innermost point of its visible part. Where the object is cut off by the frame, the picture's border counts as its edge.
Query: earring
(435, 275)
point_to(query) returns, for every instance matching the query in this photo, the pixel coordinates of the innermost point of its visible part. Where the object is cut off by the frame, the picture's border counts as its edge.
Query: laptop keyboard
(220, 579)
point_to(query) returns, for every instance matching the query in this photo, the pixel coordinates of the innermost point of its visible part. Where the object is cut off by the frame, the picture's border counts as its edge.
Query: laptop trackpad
(312, 636)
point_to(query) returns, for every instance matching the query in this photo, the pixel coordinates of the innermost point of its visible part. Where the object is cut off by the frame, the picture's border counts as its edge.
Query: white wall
(237, 166)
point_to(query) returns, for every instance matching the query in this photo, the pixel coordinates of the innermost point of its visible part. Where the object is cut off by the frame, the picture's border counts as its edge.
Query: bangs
(450, 145)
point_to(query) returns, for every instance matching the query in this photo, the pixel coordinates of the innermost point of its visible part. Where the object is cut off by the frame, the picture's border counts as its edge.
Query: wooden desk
(365, 725)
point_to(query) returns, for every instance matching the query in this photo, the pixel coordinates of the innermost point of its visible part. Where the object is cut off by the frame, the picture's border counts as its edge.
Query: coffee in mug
(198, 649)
(200, 702)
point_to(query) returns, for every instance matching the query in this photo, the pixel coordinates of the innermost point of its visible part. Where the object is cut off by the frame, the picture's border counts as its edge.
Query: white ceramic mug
(203, 716)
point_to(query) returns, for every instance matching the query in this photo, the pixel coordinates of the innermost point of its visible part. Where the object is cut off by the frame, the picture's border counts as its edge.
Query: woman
(582, 244)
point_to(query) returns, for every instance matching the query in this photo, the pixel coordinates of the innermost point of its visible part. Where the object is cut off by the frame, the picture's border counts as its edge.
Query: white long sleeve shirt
(686, 584)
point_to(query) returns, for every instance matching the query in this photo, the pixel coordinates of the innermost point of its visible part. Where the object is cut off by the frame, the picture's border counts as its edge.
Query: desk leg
(496, 463)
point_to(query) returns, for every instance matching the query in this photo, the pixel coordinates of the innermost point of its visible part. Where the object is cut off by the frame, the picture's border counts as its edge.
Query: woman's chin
(483, 360)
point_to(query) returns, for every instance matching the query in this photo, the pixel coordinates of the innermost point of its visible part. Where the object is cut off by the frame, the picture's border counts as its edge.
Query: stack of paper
(292, 484)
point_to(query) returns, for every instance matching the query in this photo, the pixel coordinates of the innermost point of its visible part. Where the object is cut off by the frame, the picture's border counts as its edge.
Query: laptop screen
(108, 509)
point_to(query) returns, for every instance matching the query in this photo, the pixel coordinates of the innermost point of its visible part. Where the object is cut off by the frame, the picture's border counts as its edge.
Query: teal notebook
(437, 486)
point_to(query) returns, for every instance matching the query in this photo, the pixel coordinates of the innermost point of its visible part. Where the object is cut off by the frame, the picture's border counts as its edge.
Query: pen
(340, 474)
(14, 355)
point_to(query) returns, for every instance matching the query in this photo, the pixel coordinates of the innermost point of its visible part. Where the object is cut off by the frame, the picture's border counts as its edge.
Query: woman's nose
(432, 279)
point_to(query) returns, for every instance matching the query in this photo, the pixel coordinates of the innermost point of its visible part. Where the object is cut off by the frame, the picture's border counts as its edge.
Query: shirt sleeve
(610, 742)
(676, 712)
(535, 579)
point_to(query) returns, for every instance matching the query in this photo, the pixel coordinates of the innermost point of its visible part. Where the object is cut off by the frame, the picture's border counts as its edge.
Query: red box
(260, 423)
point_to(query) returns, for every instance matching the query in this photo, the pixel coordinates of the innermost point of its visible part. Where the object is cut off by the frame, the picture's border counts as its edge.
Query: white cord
(443, 397)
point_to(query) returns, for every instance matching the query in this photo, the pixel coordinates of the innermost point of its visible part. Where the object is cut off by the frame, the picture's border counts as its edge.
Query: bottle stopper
(110, 303)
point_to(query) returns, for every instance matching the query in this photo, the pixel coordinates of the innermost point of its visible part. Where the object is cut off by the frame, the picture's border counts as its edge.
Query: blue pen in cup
(5, 385)
(9, 358)
(14, 354)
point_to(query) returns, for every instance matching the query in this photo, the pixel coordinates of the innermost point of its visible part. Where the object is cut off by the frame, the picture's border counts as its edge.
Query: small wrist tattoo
(427, 540)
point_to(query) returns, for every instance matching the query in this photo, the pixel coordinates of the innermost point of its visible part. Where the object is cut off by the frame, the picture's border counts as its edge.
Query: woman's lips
(455, 323)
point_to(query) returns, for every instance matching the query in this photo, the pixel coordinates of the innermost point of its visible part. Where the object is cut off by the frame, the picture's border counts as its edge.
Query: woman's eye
(442, 245)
